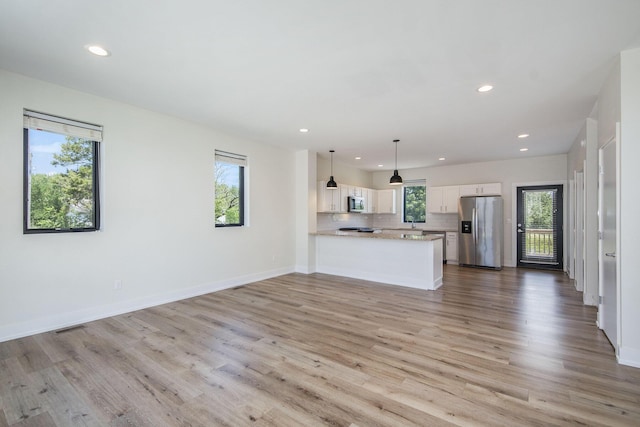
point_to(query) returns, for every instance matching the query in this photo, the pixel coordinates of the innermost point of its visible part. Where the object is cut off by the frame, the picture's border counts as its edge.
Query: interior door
(539, 227)
(608, 309)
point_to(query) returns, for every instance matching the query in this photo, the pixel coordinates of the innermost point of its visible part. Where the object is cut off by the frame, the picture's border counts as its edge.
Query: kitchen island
(395, 258)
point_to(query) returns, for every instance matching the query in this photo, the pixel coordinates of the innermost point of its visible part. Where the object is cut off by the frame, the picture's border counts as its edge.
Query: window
(415, 201)
(229, 189)
(60, 174)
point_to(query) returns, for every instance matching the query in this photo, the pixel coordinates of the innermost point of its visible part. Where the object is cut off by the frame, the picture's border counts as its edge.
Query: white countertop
(379, 235)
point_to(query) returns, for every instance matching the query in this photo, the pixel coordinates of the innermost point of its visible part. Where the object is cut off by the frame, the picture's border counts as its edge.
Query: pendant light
(332, 185)
(396, 179)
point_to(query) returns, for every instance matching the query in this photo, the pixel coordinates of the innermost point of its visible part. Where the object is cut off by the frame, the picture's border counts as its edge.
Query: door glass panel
(539, 226)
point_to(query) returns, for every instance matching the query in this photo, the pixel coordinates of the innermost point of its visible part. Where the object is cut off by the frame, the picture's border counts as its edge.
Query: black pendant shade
(331, 184)
(396, 179)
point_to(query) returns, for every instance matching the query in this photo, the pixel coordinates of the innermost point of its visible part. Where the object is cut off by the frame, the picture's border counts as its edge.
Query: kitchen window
(61, 191)
(414, 201)
(230, 170)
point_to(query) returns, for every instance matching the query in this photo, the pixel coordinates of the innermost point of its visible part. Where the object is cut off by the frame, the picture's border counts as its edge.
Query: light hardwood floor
(511, 348)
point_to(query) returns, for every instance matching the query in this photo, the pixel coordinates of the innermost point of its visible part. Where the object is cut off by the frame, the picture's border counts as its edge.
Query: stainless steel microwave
(356, 204)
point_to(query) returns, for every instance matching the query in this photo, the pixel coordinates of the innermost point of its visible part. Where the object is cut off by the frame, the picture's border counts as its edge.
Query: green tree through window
(61, 182)
(415, 203)
(539, 206)
(229, 189)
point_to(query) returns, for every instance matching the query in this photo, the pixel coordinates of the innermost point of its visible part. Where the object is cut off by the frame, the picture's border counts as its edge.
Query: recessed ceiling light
(304, 130)
(524, 149)
(98, 50)
(441, 158)
(523, 135)
(358, 158)
(380, 166)
(485, 88)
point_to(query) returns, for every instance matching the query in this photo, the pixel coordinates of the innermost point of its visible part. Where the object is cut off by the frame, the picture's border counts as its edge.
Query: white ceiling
(357, 73)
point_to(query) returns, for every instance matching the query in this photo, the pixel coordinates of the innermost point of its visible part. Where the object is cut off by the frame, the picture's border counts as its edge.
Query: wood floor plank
(515, 347)
(19, 398)
(40, 420)
(63, 404)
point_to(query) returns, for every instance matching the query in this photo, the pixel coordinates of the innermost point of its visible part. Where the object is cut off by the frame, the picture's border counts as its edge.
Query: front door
(608, 310)
(539, 226)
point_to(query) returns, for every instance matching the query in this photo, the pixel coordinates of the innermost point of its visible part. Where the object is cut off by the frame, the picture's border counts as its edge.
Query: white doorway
(579, 232)
(608, 310)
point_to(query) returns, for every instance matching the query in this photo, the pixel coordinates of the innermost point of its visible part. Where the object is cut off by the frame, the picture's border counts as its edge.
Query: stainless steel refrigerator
(481, 229)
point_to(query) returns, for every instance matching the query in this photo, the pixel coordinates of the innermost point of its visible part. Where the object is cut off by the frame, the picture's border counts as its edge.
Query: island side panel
(393, 261)
(438, 268)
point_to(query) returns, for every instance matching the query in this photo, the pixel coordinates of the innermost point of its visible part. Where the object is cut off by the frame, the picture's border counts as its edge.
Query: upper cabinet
(386, 201)
(439, 199)
(332, 200)
(443, 199)
(371, 200)
(356, 191)
(490, 189)
(335, 201)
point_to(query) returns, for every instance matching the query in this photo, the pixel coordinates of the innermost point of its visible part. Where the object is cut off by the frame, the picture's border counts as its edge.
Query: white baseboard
(629, 356)
(304, 269)
(65, 320)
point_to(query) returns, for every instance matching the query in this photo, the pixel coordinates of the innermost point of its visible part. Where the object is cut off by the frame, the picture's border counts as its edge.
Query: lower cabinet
(452, 247)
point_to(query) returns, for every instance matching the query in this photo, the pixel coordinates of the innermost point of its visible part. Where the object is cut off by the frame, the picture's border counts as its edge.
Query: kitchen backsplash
(335, 221)
(433, 222)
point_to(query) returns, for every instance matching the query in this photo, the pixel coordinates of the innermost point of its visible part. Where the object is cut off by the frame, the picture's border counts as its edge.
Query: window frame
(241, 162)
(415, 183)
(95, 176)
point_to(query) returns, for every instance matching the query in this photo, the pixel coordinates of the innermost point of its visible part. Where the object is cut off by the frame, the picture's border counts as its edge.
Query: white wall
(509, 172)
(343, 174)
(619, 102)
(306, 206)
(158, 232)
(629, 248)
(583, 157)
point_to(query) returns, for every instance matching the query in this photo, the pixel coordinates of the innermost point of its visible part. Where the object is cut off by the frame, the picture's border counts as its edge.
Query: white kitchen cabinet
(452, 247)
(443, 199)
(386, 201)
(489, 189)
(332, 200)
(326, 198)
(434, 199)
(343, 203)
(356, 191)
(371, 200)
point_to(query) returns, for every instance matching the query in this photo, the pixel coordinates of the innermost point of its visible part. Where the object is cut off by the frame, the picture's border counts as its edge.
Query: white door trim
(514, 216)
(615, 140)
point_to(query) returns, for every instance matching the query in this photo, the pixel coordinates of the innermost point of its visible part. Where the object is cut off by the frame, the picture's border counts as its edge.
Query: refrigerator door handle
(474, 218)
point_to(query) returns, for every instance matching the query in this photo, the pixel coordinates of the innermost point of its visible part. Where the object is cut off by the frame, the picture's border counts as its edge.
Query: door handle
(610, 254)
(520, 230)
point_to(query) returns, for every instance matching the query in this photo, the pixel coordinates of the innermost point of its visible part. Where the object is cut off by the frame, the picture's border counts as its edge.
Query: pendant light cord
(331, 162)
(396, 141)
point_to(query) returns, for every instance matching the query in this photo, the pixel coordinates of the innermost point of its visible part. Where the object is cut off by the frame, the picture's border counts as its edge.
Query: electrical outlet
(117, 285)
